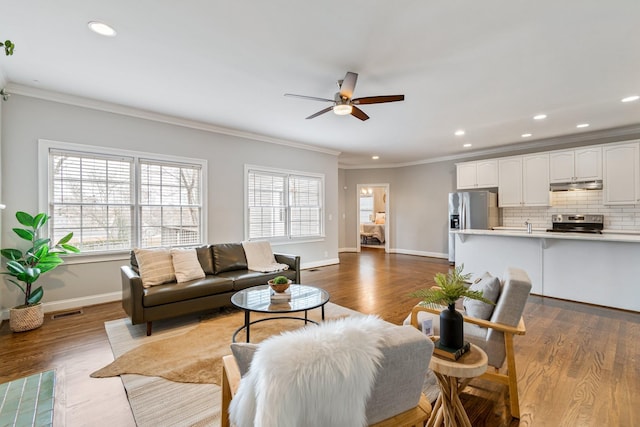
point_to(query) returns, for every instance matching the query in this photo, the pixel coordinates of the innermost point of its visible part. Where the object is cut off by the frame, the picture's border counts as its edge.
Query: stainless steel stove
(577, 223)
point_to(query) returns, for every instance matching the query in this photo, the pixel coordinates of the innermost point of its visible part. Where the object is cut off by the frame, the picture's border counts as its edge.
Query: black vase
(451, 328)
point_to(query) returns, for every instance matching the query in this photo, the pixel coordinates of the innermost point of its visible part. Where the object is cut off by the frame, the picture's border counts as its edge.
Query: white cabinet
(480, 174)
(535, 180)
(510, 182)
(621, 174)
(583, 164)
(524, 181)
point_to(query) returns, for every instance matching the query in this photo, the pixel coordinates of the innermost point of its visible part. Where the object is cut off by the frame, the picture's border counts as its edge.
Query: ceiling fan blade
(377, 99)
(312, 98)
(326, 110)
(348, 85)
(356, 112)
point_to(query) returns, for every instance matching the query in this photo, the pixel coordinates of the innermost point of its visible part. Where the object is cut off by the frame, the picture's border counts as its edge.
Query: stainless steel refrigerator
(471, 209)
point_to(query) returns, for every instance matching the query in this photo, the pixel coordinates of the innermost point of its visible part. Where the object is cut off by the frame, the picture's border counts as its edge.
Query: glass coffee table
(258, 299)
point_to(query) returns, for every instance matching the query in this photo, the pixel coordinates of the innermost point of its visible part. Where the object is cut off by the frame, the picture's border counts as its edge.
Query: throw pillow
(156, 266)
(490, 287)
(186, 265)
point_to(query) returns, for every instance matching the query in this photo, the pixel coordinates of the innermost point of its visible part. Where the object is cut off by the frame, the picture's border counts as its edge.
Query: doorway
(373, 216)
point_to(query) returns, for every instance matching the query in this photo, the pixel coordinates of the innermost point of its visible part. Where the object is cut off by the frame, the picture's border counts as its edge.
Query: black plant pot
(451, 328)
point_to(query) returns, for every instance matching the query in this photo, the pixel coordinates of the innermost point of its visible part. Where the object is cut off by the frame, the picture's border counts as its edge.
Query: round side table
(453, 377)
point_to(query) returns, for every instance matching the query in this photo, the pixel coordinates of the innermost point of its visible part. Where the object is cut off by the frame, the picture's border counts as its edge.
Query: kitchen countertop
(541, 233)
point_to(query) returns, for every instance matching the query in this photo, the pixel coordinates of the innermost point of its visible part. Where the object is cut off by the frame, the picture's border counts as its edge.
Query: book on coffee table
(281, 296)
(448, 352)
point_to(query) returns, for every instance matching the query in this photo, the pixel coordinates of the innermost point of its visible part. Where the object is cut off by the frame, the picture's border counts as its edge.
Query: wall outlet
(326, 254)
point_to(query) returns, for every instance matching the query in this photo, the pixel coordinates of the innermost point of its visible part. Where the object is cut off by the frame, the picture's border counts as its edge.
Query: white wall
(25, 120)
(418, 198)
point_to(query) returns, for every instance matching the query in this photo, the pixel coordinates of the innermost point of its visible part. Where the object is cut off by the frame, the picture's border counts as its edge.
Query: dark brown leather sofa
(225, 266)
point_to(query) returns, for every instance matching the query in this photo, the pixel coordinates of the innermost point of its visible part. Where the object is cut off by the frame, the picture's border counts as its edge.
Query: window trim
(287, 173)
(44, 189)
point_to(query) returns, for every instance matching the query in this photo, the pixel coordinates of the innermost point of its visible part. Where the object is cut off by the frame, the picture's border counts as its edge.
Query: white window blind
(170, 204)
(283, 205)
(115, 203)
(91, 196)
(366, 209)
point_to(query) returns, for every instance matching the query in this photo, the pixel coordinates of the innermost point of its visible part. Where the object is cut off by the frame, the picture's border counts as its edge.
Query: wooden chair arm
(518, 330)
(233, 373)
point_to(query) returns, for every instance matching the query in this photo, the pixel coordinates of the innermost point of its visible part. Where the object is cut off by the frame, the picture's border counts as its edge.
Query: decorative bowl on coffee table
(279, 287)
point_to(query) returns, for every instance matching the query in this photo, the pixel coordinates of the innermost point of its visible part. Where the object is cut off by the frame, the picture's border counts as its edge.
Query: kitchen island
(602, 269)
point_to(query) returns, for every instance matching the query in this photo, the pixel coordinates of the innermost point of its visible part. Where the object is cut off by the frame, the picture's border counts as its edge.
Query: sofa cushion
(246, 278)
(186, 264)
(175, 292)
(228, 257)
(205, 256)
(155, 265)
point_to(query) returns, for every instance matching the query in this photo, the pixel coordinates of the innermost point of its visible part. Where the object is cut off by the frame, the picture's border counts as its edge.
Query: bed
(370, 229)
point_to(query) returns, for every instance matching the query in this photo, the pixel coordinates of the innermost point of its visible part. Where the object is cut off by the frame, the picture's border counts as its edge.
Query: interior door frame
(387, 204)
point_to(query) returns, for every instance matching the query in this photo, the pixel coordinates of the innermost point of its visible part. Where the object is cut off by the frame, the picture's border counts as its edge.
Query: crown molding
(109, 107)
(588, 138)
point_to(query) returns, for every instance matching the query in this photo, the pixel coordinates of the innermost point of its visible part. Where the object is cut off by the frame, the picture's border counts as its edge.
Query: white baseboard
(419, 253)
(321, 263)
(68, 304)
(404, 252)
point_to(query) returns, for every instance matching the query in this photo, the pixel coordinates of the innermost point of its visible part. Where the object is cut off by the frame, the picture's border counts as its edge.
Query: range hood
(576, 185)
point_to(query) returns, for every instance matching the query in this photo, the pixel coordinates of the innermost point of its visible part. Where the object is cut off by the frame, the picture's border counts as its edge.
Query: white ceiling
(485, 66)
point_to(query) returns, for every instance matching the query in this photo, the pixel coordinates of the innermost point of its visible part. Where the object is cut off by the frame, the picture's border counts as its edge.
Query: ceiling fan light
(342, 109)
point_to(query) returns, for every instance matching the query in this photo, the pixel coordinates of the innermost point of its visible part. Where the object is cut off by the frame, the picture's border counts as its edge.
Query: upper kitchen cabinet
(524, 181)
(479, 174)
(621, 170)
(582, 164)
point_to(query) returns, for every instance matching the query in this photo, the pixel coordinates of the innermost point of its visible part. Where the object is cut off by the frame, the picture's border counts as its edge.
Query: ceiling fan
(343, 101)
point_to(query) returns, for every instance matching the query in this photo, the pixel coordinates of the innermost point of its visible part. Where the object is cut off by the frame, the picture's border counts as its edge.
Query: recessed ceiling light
(375, 157)
(526, 135)
(583, 125)
(101, 28)
(459, 132)
(467, 145)
(631, 98)
(540, 117)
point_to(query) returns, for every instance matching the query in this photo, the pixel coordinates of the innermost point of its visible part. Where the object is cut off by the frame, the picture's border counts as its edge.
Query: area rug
(28, 401)
(173, 351)
(188, 351)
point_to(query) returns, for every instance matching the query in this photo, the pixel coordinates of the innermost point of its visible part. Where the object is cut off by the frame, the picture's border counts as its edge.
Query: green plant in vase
(39, 257)
(280, 280)
(8, 47)
(450, 288)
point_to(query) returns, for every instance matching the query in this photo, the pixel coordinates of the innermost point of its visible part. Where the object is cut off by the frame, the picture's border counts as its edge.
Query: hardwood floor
(578, 365)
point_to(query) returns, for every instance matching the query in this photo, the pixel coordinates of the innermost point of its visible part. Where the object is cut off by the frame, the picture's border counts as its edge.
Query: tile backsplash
(581, 202)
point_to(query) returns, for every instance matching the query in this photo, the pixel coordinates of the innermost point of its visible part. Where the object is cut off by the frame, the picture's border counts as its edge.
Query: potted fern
(449, 289)
(26, 268)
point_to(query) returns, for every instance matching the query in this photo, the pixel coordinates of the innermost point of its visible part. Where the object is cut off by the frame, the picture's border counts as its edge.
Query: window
(366, 208)
(283, 204)
(116, 201)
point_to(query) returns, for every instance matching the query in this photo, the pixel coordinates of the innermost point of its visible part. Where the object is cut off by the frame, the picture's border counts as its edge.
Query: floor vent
(314, 269)
(67, 314)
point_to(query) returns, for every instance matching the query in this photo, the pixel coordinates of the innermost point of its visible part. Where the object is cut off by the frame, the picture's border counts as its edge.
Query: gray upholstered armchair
(396, 397)
(495, 334)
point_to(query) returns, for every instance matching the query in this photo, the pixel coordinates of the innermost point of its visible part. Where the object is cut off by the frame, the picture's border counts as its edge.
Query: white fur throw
(260, 257)
(317, 376)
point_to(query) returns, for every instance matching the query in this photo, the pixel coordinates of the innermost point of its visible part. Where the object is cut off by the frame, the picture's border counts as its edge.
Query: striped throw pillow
(156, 266)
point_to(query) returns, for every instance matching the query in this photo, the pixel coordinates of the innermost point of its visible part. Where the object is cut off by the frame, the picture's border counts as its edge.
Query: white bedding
(376, 230)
